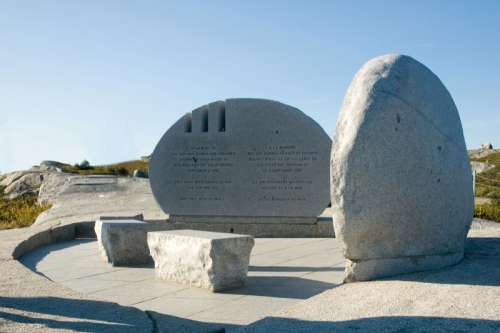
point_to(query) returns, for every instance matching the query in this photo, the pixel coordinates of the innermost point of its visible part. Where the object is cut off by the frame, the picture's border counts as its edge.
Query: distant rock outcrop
(18, 183)
(486, 146)
(481, 153)
(146, 158)
(87, 198)
(27, 184)
(11, 177)
(52, 165)
(478, 167)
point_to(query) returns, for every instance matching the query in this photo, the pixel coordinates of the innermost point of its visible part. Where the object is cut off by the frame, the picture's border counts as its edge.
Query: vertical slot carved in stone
(188, 123)
(222, 119)
(204, 120)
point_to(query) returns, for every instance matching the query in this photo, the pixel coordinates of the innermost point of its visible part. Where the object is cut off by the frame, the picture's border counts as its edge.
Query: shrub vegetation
(20, 212)
(118, 169)
(23, 211)
(488, 211)
(488, 186)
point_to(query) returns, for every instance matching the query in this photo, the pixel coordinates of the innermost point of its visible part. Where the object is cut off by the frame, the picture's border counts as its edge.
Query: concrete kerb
(50, 235)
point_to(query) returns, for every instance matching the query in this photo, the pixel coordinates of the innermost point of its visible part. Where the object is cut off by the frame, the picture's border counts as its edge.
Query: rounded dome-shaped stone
(243, 157)
(401, 183)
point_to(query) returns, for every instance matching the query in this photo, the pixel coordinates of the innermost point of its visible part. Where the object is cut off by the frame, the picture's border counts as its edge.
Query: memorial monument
(400, 176)
(242, 161)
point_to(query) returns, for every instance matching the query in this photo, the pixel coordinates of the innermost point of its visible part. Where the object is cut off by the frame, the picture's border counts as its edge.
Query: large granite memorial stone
(400, 176)
(243, 158)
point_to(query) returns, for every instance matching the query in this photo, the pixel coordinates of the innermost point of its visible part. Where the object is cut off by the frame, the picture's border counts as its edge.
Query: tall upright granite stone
(401, 183)
(242, 160)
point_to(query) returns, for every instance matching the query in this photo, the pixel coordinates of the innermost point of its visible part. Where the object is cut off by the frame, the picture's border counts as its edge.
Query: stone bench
(123, 242)
(210, 260)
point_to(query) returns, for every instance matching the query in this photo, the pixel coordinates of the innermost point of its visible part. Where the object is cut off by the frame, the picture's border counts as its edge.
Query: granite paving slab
(270, 287)
(463, 298)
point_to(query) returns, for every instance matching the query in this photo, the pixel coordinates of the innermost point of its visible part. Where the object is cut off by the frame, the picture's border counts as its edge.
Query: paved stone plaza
(282, 272)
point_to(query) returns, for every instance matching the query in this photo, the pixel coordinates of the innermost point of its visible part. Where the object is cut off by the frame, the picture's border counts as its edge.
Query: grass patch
(20, 212)
(489, 211)
(487, 191)
(488, 183)
(493, 158)
(118, 169)
(488, 186)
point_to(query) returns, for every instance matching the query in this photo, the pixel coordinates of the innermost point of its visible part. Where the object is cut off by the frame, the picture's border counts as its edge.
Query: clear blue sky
(103, 80)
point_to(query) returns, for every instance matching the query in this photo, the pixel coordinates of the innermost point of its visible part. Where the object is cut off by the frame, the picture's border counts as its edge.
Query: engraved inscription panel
(242, 157)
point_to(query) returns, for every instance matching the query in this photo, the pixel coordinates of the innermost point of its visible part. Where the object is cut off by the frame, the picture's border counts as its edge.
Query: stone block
(123, 242)
(401, 183)
(210, 260)
(323, 228)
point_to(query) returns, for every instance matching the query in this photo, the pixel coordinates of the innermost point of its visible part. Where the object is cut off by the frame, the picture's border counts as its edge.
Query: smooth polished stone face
(242, 157)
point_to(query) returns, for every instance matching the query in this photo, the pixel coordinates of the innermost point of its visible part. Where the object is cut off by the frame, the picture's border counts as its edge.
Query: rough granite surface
(401, 182)
(123, 242)
(26, 184)
(86, 198)
(461, 298)
(210, 260)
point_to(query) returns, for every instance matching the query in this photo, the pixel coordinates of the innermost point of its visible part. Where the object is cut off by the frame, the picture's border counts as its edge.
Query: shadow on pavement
(480, 266)
(282, 287)
(54, 313)
(72, 314)
(396, 324)
(293, 269)
(45, 313)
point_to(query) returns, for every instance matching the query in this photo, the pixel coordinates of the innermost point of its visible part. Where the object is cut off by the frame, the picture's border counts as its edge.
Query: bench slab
(211, 260)
(123, 242)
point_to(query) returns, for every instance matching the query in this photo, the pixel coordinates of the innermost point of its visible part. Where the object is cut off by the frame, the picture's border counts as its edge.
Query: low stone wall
(29, 239)
(53, 234)
(323, 228)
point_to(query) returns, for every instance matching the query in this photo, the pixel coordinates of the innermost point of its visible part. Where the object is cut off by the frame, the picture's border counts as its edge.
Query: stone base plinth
(365, 270)
(243, 219)
(262, 230)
